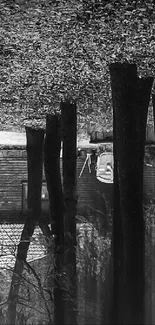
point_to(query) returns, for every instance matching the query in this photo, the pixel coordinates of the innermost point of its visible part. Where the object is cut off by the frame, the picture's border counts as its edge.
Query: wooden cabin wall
(149, 183)
(94, 197)
(13, 173)
(13, 170)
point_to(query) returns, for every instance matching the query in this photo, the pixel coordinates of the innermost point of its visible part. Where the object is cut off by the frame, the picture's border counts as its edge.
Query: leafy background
(53, 50)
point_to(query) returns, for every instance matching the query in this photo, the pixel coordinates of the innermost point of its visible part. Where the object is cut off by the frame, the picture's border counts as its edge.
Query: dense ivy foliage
(52, 50)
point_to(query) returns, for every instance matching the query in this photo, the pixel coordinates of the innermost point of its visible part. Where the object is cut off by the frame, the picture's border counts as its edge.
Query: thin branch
(32, 307)
(40, 288)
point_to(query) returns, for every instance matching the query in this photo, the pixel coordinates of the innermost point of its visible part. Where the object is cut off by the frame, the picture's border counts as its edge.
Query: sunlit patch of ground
(9, 239)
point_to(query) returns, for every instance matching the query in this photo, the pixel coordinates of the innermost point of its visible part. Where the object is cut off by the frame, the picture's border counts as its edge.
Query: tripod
(88, 159)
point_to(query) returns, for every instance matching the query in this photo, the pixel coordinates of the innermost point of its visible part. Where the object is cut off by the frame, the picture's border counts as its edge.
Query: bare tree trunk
(35, 140)
(69, 133)
(116, 264)
(35, 143)
(34, 161)
(153, 102)
(52, 148)
(130, 105)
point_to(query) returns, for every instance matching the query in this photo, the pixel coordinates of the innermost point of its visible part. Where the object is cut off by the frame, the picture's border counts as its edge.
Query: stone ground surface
(9, 239)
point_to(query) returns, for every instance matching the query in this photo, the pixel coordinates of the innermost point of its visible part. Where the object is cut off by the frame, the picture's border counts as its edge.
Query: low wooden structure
(94, 197)
(13, 186)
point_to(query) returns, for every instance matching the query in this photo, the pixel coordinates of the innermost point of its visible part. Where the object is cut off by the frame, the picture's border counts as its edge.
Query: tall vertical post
(69, 135)
(130, 96)
(52, 146)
